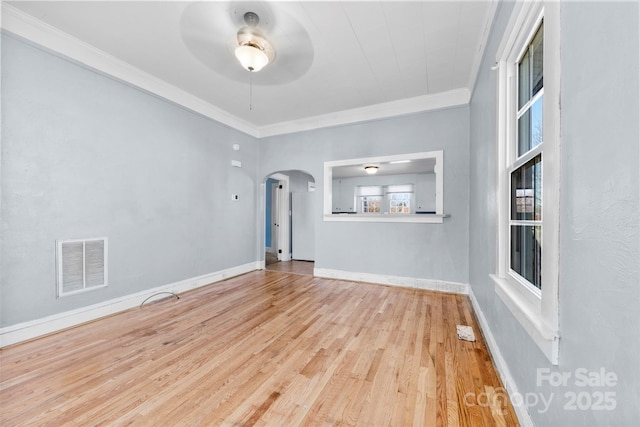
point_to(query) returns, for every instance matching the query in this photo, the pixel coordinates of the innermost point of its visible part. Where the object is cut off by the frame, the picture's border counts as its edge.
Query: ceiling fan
(233, 37)
(253, 51)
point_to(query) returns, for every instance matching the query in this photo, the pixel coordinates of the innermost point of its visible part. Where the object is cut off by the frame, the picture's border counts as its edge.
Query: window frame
(536, 310)
(515, 160)
(368, 199)
(393, 200)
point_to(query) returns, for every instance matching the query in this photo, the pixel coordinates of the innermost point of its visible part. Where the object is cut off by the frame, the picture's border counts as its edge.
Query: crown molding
(59, 42)
(26, 26)
(484, 38)
(437, 101)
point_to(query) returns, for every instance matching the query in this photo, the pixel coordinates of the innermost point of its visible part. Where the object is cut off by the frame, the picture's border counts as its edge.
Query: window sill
(529, 316)
(413, 218)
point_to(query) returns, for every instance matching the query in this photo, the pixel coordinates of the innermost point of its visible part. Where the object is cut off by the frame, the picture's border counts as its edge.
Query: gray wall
(428, 251)
(298, 181)
(599, 214)
(84, 155)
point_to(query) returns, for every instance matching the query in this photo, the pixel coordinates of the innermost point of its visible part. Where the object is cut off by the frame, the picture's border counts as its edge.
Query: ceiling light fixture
(371, 169)
(251, 57)
(254, 52)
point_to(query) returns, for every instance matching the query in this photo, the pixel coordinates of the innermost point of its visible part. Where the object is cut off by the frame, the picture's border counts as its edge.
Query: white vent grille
(82, 265)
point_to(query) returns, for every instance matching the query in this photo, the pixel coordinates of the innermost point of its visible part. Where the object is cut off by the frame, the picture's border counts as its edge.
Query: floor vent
(81, 265)
(465, 333)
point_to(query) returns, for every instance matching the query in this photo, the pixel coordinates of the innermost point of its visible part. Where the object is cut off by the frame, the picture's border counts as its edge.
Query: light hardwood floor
(265, 348)
(293, 266)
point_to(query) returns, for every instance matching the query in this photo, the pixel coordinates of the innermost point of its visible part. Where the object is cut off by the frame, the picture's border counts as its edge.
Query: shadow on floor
(270, 258)
(294, 266)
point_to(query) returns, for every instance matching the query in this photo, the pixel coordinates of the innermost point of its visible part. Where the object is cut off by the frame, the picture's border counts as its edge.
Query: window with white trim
(371, 204)
(528, 180)
(400, 203)
(525, 167)
(400, 198)
(370, 198)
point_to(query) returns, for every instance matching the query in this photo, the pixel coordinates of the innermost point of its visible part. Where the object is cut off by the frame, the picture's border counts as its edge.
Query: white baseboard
(501, 365)
(35, 328)
(406, 282)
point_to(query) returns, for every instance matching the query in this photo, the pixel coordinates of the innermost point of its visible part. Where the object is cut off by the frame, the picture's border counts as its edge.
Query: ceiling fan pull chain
(250, 90)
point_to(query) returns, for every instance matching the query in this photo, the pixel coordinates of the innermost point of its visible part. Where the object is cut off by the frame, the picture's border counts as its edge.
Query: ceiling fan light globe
(251, 58)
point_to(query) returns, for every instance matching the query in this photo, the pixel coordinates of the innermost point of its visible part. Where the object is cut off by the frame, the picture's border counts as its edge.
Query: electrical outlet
(235, 197)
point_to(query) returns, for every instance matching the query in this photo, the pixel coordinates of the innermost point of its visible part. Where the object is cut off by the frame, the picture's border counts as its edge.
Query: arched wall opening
(289, 201)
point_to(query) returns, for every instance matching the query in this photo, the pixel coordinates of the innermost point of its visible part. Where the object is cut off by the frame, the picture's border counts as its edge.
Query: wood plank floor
(265, 348)
(293, 266)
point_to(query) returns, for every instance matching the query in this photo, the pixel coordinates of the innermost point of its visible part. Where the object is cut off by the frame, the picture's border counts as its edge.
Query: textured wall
(599, 218)
(600, 261)
(84, 155)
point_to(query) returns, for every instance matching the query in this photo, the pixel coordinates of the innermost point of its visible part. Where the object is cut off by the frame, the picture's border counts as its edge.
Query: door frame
(283, 216)
(270, 226)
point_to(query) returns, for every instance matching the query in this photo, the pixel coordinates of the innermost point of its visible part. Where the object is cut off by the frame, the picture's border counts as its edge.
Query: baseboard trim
(383, 279)
(20, 332)
(501, 365)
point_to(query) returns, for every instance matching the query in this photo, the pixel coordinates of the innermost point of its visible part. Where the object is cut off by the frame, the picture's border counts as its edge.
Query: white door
(281, 217)
(274, 218)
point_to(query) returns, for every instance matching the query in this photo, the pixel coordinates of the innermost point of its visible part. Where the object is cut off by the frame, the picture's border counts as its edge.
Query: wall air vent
(81, 265)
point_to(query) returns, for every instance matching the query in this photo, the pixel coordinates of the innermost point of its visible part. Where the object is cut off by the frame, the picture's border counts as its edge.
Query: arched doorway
(289, 229)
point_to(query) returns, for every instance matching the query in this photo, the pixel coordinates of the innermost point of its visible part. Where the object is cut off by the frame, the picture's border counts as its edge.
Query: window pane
(530, 128)
(400, 203)
(530, 69)
(537, 47)
(524, 80)
(524, 133)
(371, 204)
(526, 252)
(526, 191)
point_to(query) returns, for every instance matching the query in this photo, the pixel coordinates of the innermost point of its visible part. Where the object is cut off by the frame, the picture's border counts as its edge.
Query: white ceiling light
(254, 52)
(251, 57)
(371, 169)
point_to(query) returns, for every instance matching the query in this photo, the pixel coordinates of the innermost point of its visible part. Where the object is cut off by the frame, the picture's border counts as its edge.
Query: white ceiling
(336, 62)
